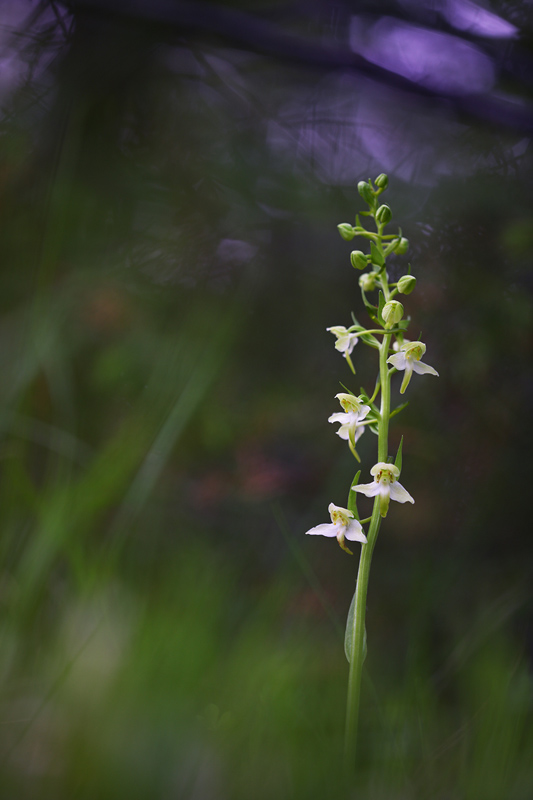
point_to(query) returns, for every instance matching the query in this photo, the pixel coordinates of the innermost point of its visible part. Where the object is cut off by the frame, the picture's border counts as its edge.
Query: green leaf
(348, 391)
(348, 636)
(370, 340)
(398, 459)
(398, 409)
(380, 307)
(376, 255)
(352, 497)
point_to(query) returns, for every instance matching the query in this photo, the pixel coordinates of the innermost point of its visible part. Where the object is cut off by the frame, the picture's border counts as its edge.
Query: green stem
(357, 633)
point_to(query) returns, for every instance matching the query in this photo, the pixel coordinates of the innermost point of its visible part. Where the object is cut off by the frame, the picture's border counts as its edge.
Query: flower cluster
(360, 411)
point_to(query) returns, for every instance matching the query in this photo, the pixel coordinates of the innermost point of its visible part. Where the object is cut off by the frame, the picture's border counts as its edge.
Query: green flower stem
(358, 639)
(358, 630)
(380, 330)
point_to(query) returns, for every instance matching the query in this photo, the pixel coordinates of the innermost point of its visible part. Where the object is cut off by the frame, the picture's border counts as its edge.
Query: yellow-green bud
(383, 214)
(392, 313)
(382, 181)
(358, 259)
(346, 231)
(402, 246)
(366, 192)
(367, 282)
(406, 284)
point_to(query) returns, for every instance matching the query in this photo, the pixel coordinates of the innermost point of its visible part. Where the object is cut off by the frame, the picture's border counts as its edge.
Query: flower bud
(358, 259)
(392, 313)
(402, 246)
(383, 214)
(406, 284)
(367, 282)
(346, 231)
(382, 181)
(366, 192)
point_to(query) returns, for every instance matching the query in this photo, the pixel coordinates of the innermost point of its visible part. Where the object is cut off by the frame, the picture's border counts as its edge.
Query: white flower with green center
(408, 359)
(346, 339)
(354, 413)
(343, 526)
(385, 484)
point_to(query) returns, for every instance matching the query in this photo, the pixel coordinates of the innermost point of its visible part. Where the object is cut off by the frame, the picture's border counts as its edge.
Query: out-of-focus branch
(183, 17)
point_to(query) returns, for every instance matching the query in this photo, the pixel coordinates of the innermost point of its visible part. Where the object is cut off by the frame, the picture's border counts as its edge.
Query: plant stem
(357, 632)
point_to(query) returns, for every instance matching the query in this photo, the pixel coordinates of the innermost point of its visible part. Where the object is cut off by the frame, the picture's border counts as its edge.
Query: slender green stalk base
(357, 633)
(358, 639)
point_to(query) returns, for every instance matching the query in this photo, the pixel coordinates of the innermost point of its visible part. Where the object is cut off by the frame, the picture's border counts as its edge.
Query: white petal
(344, 432)
(358, 432)
(364, 411)
(338, 330)
(397, 360)
(324, 530)
(422, 368)
(398, 493)
(354, 532)
(369, 489)
(342, 344)
(353, 341)
(339, 416)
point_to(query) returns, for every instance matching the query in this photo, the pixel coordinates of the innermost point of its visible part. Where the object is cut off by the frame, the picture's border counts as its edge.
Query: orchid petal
(422, 368)
(324, 530)
(368, 489)
(398, 360)
(340, 416)
(398, 493)
(354, 532)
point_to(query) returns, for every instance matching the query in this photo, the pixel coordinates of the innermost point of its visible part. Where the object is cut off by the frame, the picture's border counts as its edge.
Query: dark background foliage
(171, 178)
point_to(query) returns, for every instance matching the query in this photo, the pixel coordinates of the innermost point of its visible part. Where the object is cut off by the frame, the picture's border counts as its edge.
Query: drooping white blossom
(385, 484)
(346, 340)
(408, 359)
(350, 420)
(343, 526)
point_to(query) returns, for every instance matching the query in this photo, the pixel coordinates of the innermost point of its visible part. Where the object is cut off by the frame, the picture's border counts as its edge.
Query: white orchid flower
(343, 526)
(385, 484)
(408, 359)
(346, 340)
(354, 412)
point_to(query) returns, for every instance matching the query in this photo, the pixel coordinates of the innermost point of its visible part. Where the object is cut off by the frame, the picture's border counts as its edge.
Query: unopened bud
(406, 284)
(383, 214)
(346, 231)
(367, 282)
(402, 246)
(358, 259)
(382, 181)
(366, 192)
(392, 313)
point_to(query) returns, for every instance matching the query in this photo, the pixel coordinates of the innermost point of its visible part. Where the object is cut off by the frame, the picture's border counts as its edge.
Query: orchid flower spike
(346, 340)
(343, 526)
(385, 484)
(354, 412)
(408, 359)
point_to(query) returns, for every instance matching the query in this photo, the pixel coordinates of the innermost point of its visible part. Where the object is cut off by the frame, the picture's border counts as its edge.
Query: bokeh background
(171, 178)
